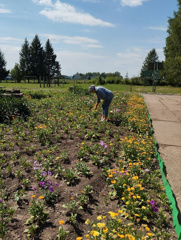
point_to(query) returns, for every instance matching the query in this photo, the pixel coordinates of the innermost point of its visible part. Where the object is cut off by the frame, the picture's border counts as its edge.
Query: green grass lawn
(113, 87)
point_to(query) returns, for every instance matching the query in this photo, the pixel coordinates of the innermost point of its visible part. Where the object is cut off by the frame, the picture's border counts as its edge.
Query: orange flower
(61, 222)
(33, 196)
(41, 197)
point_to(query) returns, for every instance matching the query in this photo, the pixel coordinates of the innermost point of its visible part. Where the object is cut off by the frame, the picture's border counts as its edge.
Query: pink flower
(102, 143)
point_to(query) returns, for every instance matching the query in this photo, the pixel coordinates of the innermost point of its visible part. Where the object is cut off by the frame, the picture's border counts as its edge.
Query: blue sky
(88, 35)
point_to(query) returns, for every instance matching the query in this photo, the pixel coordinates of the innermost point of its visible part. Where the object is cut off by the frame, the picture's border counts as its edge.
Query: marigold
(99, 217)
(113, 181)
(94, 233)
(105, 230)
(61, 222)
(41, 197)
(87, 221)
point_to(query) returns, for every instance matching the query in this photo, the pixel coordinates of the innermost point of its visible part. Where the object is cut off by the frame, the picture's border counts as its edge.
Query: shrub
(11, 107)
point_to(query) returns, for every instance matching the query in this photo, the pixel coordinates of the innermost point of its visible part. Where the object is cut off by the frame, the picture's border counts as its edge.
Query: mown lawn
(113, 87)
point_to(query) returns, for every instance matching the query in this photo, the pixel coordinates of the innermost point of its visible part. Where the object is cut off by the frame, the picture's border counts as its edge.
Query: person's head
(92, 89)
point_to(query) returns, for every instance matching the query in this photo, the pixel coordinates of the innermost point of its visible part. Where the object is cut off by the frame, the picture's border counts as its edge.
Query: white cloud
(4, 10)
(43, 2)
(64, 12)
(77, 40)
(10, 39)
(158, 28)
(132, 3)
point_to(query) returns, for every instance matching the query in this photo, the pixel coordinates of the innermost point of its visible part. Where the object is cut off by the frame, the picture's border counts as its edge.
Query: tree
(151, 58)
(16, 73)
(25, 59)
(37, 58)
(172, 50)
(3, 71)
(50, 60)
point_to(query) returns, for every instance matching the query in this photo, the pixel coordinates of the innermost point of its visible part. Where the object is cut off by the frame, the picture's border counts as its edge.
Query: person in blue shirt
(106, 95)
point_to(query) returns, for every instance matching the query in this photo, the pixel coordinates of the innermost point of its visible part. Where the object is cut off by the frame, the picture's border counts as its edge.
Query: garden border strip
(168, 190)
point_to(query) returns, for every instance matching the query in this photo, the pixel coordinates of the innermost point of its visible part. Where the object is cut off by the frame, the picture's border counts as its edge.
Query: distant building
(76, 76)
(8, 77)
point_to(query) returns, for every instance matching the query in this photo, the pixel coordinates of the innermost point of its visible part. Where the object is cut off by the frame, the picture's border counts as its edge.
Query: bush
(11, 107)
(79, 90)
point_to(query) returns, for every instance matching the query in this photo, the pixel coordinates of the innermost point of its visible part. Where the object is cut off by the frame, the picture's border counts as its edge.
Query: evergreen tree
(16, 73)
(25, 59)
(37, 58)
(52, 67)
(172, 65)
(3, 71)
(151, 58)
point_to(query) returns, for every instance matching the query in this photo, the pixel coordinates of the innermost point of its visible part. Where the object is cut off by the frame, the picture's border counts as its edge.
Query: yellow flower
(99, 217)
(41, 197)
(61, 222)
(94, 233)
(149, 234)
(87, 221)
(101, 225)
(113, 214)
(135, 178)
(79, 238)
(33, 196)
(105, 230)
(87, 235)
(121, 235)
(113, 181)
(147, 228)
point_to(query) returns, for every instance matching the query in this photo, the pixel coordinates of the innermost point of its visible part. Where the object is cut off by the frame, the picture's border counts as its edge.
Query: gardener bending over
(104, 94)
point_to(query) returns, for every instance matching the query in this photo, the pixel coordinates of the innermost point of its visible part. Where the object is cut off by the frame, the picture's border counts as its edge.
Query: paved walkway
(165, 112)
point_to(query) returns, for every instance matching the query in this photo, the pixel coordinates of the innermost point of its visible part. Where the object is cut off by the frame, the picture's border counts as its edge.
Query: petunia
(102, 143)
(152, 202)
(43, 174)
(51, 189)
(49, 173)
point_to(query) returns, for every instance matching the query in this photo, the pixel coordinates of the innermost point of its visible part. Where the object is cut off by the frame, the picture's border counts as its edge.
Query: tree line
(38, 61)
(35, 61)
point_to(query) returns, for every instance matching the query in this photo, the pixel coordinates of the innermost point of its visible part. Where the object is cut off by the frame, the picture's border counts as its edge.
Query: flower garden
(67, 175)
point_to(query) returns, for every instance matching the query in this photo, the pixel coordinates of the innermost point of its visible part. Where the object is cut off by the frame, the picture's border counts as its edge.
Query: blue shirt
(103, 93)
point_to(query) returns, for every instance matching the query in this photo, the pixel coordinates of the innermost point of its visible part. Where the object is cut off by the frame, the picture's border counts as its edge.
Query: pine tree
(24, 62)
(36, 58)
(172, 65)
(151, 58)
(3, 71)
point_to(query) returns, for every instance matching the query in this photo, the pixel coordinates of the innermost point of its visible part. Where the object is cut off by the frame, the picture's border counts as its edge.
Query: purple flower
(152, 202)
(43, 174)
(34, 188)
(1, 199)
(155, 209)
(49, 183)
(51, 189)
(102, 143)
(105, 146)
(42, 183)
(56, 184)
(49, 173)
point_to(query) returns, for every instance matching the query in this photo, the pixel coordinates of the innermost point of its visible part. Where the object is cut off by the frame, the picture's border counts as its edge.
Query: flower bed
(67, 175)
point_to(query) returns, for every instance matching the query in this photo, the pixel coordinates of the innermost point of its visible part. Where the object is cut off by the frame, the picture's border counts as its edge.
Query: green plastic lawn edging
(168, 190)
